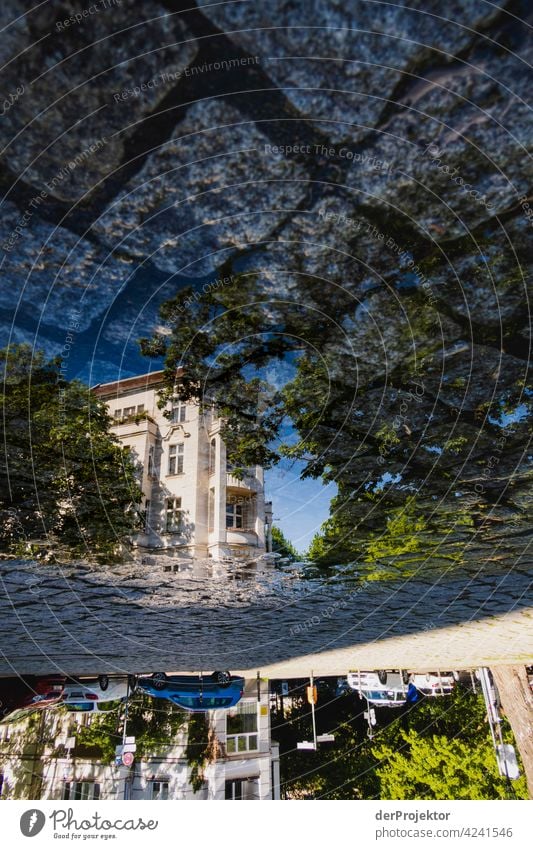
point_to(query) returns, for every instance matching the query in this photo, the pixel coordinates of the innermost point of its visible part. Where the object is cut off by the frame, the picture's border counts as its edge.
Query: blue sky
(299, 507)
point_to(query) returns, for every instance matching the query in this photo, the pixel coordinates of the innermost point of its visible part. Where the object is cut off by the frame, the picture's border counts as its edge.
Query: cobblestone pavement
(86, 619)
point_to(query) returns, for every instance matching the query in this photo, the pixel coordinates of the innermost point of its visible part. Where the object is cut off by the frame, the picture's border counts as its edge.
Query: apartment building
(192, 503)
(40, 759)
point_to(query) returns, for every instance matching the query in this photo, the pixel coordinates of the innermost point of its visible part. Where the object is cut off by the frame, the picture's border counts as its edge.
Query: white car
(93, 693)
(381, 687)
(389, 689)
(434, 684)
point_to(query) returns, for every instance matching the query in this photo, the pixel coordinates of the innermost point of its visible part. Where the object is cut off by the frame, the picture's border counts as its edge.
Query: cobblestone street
(86, 619)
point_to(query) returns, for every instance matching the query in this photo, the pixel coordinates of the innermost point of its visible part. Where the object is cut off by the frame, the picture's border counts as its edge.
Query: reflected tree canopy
(407, 388)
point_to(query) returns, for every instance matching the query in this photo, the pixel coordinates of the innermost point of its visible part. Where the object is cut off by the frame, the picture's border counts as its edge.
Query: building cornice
(130, 384)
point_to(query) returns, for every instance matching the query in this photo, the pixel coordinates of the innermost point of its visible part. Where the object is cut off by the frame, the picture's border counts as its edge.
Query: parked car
(94, 707)
(93, 691)
(25, 694)
(195, 692)
(434, 684)
(390, 688)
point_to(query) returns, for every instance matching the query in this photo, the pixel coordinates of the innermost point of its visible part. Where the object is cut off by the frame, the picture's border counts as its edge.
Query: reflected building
(192, 503)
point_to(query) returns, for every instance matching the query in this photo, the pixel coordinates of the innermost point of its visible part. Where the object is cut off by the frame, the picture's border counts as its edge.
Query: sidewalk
(495, 641)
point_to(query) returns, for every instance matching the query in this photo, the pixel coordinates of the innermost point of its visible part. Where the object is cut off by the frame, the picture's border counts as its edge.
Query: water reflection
(246, 615)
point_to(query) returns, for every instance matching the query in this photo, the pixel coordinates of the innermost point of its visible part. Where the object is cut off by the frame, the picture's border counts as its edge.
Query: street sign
(305, 744)
(325, 738)
(127, 747)
(127, 758)
(129, 740)
(312, 695)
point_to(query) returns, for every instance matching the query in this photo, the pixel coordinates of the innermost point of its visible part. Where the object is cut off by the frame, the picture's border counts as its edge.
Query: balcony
(241, 536)
(140, 423)
(249, 483)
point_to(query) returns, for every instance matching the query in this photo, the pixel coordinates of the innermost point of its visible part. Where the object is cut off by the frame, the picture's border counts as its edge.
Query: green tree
(437, 767)
(199, 749)
(340, 770)
(67, 487)
(438, 749)
(153, 723)
(281, 545)
(387, 416)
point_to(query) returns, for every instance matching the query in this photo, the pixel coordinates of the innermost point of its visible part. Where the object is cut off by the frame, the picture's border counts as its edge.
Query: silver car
(389, 688)
(93, 692)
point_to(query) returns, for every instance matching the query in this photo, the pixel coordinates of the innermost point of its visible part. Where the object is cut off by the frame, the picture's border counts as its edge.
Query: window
(212, 456)
(81, 790)
(211, 510)
(151, 460)
(117, 415)
(239, 512)
(128, 411)
(242, 788)
(174, 520)
(234, 515)
(140, 408)
(175, 459)
(160, 790)
(241, 728)
(179, 412)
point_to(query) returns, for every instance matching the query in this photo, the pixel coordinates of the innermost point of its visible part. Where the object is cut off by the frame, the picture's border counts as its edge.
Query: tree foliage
(281, 545)
(424, 409)
(437, 767)
(154, 724)
(439, 748)
(199, 748)
(66, 485)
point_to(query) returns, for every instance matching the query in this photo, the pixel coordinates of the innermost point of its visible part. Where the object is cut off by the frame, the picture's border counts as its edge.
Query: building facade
(192, 504)
(39, 759)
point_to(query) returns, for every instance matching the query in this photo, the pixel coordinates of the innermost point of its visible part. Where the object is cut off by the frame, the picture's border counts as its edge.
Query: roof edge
(139, 381)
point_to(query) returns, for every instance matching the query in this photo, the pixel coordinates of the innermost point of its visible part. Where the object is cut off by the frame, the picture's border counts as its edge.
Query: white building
(34, 763)
(192, 503)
